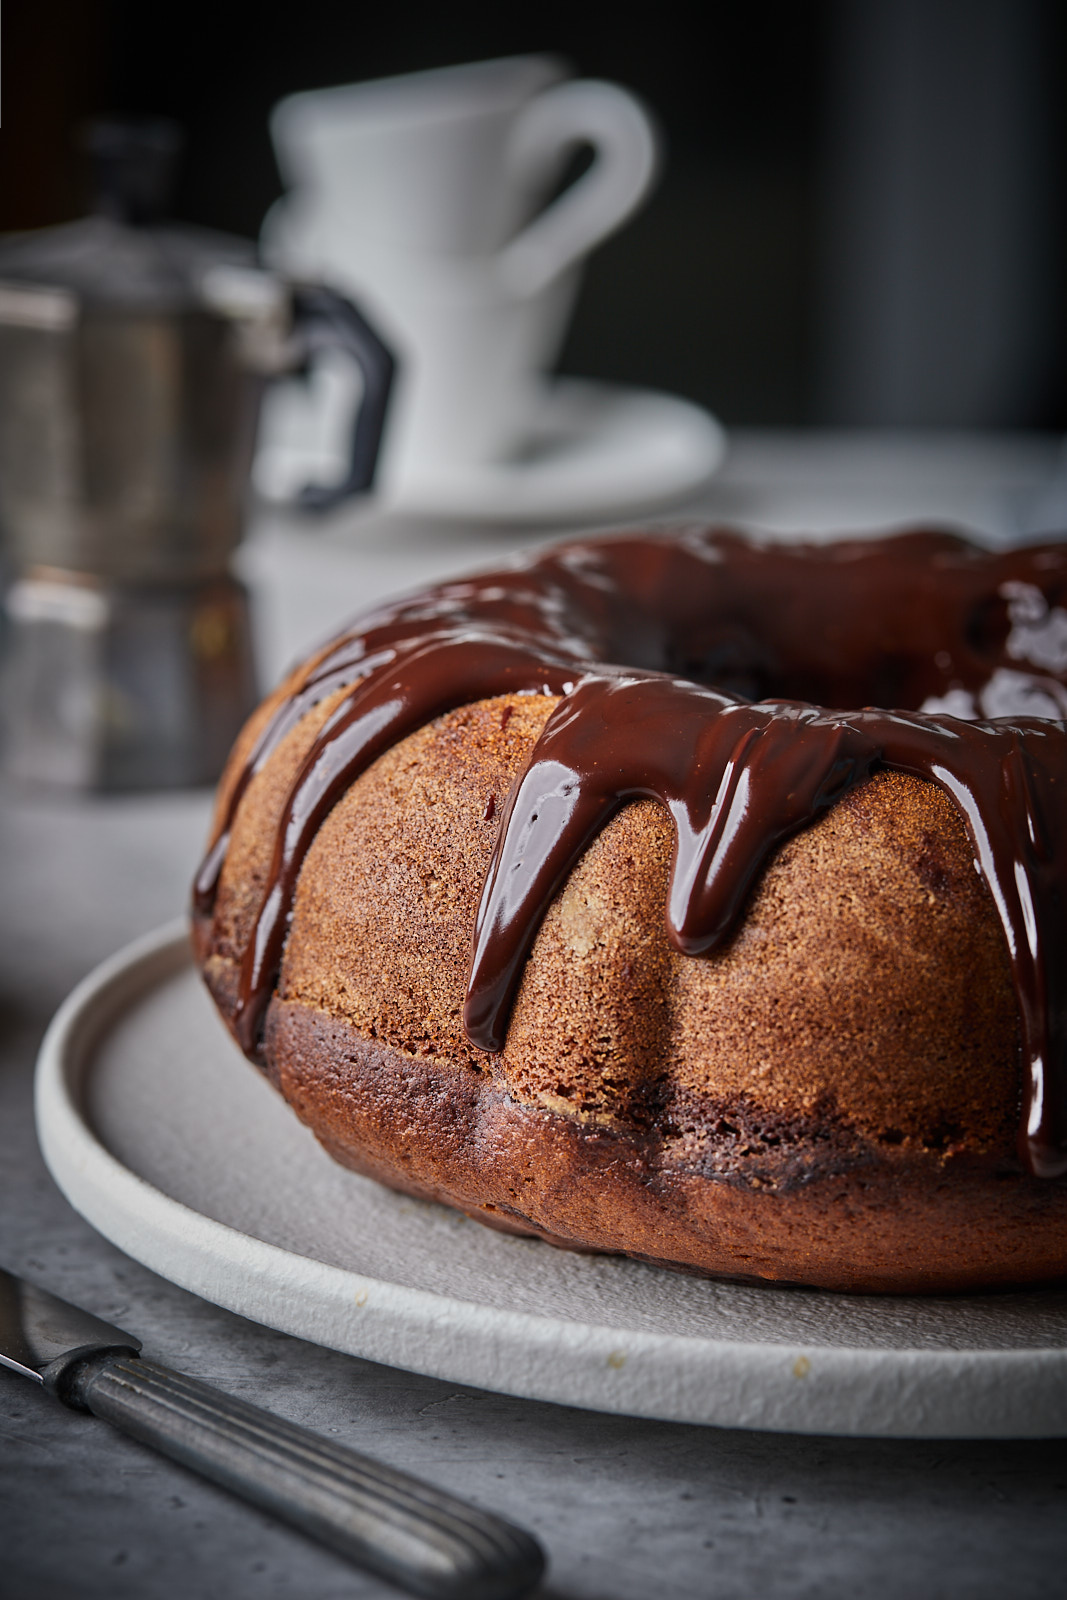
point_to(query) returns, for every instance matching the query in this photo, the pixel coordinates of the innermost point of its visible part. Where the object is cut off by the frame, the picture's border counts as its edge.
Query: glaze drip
(739, 781)
(726, 645)
(421, 682)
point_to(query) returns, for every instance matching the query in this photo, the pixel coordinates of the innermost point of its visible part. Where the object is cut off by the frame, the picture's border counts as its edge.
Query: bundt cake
(593, 898)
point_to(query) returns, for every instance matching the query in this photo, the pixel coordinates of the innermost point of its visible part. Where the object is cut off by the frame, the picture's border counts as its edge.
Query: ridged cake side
(830, 1098)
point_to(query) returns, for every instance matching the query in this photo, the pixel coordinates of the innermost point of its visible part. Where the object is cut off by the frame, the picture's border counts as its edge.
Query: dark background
(862, 219)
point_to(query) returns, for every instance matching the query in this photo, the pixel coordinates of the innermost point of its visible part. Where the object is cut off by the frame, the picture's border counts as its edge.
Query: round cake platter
(161, 1134)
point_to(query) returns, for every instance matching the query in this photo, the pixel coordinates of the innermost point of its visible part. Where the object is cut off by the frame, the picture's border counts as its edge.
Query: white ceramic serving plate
(161, 1134)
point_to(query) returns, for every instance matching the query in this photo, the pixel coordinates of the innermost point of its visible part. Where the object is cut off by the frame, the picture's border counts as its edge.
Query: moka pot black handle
(324, 320)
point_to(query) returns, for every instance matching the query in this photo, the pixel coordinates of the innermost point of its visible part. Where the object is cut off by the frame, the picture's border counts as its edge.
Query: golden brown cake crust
(830, 1098)
(861, 1220)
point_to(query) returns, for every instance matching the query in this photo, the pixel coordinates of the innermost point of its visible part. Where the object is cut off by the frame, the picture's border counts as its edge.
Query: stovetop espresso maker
(133, 357)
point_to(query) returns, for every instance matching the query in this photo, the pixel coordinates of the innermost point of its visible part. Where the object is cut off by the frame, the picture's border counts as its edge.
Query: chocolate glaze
(732, 648)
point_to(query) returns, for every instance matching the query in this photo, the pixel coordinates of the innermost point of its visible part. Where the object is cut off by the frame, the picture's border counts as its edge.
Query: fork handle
(407, 1531)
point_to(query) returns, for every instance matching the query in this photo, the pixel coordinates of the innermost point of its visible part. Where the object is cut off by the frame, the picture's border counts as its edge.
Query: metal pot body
(126, 437)
(129, 397)
(123, 686)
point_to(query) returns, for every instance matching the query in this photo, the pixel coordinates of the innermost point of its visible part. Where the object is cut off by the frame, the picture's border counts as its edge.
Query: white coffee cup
(426, 195)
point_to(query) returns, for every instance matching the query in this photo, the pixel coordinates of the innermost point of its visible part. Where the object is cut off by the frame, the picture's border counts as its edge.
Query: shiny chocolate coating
(699, 669)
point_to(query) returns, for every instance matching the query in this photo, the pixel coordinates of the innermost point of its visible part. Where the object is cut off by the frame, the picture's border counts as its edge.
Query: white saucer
(169, 1142)
(600, 451)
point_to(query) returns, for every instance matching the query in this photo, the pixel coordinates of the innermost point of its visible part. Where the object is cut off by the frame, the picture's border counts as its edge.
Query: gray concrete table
(626, 1509)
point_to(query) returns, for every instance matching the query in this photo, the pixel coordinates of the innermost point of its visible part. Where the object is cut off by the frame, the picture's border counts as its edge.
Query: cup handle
(326, 320)
(624, 168)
